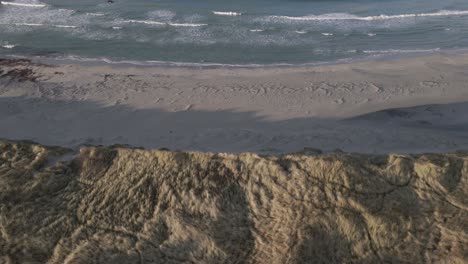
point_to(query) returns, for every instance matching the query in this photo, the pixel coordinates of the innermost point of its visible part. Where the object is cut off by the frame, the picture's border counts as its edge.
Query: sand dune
(108, 204)
(80, 203)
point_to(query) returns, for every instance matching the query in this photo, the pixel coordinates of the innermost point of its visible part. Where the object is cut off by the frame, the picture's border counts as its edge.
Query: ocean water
(242, 32)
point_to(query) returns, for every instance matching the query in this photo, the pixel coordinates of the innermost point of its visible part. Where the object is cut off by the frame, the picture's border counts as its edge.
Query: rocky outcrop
(122, 205)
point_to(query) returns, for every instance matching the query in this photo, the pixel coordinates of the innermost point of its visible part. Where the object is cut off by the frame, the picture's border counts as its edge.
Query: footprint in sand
(375, 88)
(339, 101)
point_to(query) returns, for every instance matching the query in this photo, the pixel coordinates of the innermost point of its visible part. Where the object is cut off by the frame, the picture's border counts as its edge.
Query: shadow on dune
(443, 116)
(74, 123)
(120, 205)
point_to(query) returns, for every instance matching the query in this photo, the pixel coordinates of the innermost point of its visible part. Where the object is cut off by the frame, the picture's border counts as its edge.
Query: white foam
(219, 13)
(95, 14)
(116, 28)
(186, 25)
(64, 26)
(162, 63)
(8, 46)
(345, 16)
(22, 4)
(28, 24)
(395, 51)
(256, 30)
(30, 18)
(149, 22)
(300, 32)
(371, 34)
(253, 65)
(327, 34)
(40, 25)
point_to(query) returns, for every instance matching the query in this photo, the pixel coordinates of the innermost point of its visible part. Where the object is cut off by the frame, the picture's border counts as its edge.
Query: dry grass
(120, 205)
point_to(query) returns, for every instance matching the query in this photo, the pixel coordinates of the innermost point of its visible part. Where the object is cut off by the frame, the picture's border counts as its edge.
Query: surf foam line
(401, 51)
(28, 24)
(21, 4)
(345, 16)
(71, 58)
(95, 14)
(163, 23)
(219, 13)
(6, 45)
(40, 25)
(64, 26)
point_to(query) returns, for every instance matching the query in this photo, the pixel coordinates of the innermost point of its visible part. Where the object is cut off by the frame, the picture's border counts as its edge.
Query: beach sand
(413, 104)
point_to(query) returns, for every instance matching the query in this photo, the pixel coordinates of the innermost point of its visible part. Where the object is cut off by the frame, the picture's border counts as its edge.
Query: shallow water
(230, 32)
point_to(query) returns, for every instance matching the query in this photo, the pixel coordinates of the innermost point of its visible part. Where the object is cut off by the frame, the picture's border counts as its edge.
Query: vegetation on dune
(122, 205)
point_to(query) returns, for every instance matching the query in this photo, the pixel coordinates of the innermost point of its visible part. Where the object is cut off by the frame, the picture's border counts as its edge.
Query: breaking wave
(22, 4)
(397, 51)
(345, 16)
(149, 22)
(227, 13)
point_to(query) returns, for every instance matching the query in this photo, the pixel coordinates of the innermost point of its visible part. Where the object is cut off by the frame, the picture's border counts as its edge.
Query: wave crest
(149, 22)
(345, 16)
(22, 4)
(397, 51)
(219, 13)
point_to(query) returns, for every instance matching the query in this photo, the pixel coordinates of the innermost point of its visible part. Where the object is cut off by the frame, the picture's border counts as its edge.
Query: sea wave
(149, 22)
(397, 51)
(346, 16)
(371, 53)
(42, 17)
(150, 62)
(64, 26)
(28, 24)
(6, 45)
(219, 13)
(95, 14)
(161, 14)
(186, 25)
(22, 4)
(39, 25)
(71, 58)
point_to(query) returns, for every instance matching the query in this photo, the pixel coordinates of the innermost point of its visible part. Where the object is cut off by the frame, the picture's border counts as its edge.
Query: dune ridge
(107, 204)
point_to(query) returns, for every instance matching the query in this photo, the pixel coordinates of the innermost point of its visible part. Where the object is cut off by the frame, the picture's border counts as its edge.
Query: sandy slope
(118, 205)
(263, 110)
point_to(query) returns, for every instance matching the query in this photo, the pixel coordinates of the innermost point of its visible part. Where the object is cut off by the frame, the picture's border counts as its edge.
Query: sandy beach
(413, 104)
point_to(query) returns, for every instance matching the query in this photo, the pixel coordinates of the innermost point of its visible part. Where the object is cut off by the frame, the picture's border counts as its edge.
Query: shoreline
(411, 105)
(77, 60)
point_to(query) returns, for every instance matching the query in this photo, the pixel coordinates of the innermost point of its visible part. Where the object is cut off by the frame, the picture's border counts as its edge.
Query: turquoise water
(230, 32)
